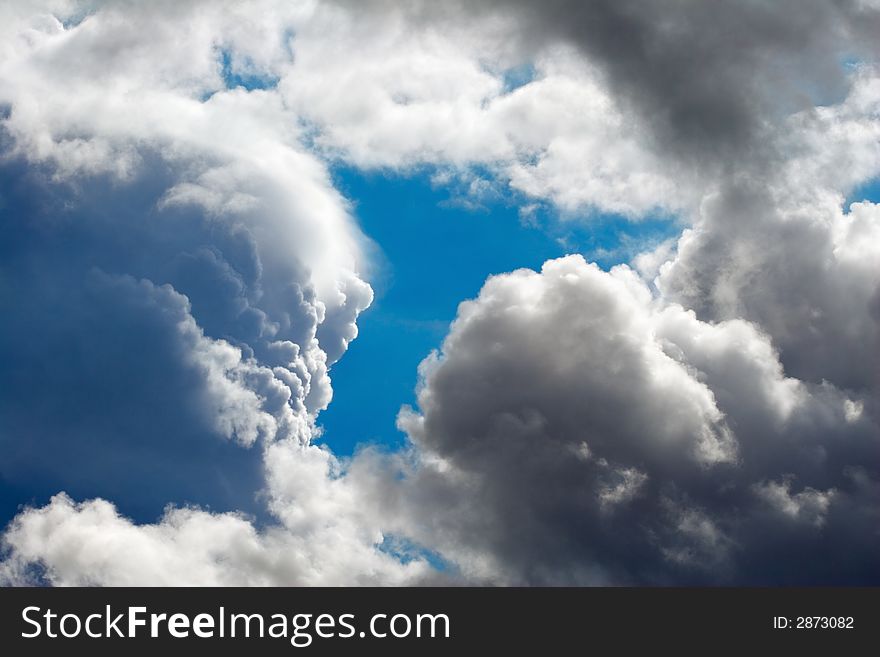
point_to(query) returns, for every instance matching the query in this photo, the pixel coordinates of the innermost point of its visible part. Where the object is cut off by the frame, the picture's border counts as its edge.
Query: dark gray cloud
(542, 431)
(575, 432)
(709, 79)
(804, 271)
(707, 76)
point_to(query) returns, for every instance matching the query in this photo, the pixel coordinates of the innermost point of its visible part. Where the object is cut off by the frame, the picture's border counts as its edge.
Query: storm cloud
(573, 430)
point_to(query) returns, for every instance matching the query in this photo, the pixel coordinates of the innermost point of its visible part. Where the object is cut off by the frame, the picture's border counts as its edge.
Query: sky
(403, 325)
(500, 293)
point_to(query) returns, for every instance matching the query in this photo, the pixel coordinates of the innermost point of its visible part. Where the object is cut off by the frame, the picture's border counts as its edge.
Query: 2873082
(814, 623)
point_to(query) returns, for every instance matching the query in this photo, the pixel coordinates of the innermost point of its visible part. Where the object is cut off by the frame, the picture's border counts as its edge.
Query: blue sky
(434, 252)
(435, 249)
(869, 191)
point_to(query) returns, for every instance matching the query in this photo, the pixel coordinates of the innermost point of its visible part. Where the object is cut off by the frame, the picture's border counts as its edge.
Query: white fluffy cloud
(392, 97)
(323, 538)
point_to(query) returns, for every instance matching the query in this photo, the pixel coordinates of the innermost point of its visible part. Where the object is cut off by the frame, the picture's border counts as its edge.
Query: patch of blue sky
(518, 76)
(436, 250)
(850, 62)
(241, 73)
(867, 191)
(406, 551)
(77, 16)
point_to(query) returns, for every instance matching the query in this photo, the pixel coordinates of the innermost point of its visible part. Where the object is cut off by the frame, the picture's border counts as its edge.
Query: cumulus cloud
(768, 302)
(408, 98)
(574, 430)
(706, 80)
(323, 539)
(182, 270)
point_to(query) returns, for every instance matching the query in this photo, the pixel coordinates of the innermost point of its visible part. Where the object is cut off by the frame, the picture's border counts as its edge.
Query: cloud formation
(181, 268)
(707, 81)
(575, 430)
(321, 537)
(182, 273)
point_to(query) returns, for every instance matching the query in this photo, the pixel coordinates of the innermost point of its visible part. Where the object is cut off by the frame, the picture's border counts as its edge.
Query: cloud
(182, 270)
(576, 430)
(708, 82)
(382, 91)
(768, 305)
(805, 274)
(183, 273)
(323, 540)
(784, 252)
